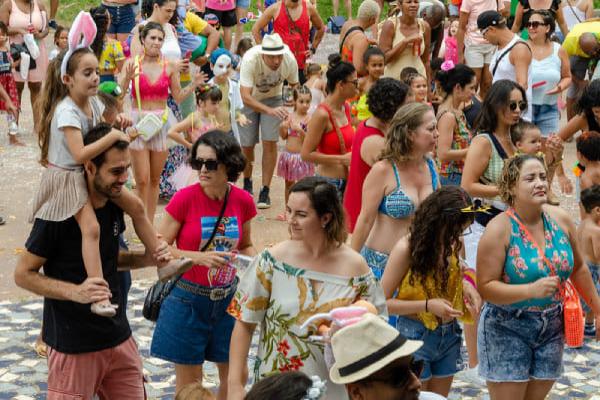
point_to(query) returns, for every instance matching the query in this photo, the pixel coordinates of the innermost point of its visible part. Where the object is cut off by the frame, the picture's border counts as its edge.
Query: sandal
(174, 267)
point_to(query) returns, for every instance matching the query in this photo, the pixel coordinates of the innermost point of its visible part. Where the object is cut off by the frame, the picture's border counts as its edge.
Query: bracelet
(426, 300)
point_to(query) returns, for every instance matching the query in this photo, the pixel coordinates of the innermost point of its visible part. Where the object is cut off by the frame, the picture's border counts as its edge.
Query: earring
(323, 226)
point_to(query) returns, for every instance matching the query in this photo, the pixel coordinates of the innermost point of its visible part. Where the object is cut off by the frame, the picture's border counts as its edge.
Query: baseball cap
(489, 18)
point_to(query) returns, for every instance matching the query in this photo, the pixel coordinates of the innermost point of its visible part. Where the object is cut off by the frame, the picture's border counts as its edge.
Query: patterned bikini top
(397, 204)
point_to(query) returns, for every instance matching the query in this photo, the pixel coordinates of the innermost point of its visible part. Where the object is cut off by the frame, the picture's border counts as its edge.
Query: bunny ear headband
(81, 34)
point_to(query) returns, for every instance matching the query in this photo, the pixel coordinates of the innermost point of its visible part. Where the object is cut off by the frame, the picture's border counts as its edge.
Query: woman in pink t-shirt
(193, 325)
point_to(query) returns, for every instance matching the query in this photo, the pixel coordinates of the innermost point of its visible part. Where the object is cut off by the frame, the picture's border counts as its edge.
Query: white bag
(149, 125)
(32, 46)
(24, 66)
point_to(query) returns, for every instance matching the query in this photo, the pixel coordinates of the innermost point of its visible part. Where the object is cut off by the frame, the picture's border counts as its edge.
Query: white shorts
(476, 55)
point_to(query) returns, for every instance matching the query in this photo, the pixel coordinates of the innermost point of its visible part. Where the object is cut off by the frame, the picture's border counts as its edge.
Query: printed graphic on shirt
(226, 239)
(267, 81)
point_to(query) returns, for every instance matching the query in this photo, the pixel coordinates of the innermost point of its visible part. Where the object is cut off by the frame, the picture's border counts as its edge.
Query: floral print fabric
(524, 265)
(281, 298)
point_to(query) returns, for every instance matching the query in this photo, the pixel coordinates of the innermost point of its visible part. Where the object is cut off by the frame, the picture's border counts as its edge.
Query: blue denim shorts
(451, 179)
(546, 117)
(375, 259)
(595, 270)
(122, 18)
(339, 183)
(242, 4)
(515, 345)
(441, 347)
(192, 328)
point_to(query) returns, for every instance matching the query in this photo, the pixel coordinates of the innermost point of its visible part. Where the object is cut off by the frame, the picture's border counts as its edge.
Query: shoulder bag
(160, 290)
(148, 124)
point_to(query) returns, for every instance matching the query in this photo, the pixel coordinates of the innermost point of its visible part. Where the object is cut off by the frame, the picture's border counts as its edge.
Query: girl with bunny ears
(70, 108)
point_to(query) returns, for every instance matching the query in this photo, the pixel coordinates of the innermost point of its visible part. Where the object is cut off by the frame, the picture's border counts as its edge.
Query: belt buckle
(217, 294)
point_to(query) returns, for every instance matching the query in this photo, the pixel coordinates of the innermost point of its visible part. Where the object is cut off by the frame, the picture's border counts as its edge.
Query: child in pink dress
(208, 99)
(451, 44)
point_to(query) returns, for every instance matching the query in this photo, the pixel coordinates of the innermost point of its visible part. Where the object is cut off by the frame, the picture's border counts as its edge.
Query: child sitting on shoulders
(588, 235)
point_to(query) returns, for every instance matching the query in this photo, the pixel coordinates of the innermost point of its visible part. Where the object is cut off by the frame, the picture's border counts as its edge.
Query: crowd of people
(417, 163)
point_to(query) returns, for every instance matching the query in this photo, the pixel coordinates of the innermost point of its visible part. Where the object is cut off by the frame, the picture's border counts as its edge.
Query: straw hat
(272, 45)
(366, 347)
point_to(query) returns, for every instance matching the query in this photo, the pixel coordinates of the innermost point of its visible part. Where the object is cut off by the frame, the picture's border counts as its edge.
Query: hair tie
(316, 390)
(81, 35)
(447, 65)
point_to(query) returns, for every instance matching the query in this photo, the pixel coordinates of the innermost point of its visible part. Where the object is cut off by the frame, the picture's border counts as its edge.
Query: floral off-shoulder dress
(280, 298)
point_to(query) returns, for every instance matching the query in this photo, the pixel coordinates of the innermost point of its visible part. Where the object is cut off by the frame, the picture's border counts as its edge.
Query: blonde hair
(398, 141)
(511, 174)
(368, 9)
(194, 391)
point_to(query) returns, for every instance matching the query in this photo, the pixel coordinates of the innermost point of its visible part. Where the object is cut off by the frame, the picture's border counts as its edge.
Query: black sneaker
(248, 185)
(590, 330)
(52, 24)
(264, 201)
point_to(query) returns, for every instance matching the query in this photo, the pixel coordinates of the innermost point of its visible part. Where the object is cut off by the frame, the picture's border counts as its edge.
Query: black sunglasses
(535, 24)
(522, 105)
(197, 163)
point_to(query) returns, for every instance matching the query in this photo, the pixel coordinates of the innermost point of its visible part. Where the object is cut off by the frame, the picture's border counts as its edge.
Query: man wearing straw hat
(375, 361)
(263, 70)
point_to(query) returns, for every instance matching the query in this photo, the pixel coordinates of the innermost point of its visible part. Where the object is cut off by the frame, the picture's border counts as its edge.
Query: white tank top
(571, 16)
(170, 48)
(506, 70)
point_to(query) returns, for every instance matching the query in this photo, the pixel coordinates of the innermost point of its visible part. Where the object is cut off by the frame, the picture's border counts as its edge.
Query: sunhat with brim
(272, 45)
(365, 347)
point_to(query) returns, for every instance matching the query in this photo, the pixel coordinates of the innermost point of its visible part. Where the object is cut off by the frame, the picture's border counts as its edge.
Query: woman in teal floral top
(521, 328)
(313, 272)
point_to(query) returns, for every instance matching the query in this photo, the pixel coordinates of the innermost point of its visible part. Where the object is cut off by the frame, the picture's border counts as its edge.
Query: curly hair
(385, 96)
(398, 142)
(324, 199)
(227, 149)
(511, 174)
(435, 235)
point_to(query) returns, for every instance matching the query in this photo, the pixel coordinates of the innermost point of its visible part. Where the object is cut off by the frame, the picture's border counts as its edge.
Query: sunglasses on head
(535, 24)
(210, 164)
(513, 105)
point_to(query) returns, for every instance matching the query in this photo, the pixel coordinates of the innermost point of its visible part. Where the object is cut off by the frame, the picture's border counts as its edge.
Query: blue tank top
(523, 264)
(397, 204)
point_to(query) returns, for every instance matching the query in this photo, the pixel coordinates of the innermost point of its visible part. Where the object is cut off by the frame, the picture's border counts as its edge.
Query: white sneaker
(471, 375)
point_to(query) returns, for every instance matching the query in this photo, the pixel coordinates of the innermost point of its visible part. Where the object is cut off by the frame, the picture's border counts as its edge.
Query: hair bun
(334, 59)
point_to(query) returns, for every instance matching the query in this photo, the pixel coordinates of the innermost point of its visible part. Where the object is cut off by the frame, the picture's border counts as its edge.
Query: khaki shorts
(265, 124)
(476, 55)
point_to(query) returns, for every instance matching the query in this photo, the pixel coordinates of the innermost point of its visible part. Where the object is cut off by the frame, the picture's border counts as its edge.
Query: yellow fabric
(194, 23)
(454, 295)
(571, 42)
(363, 108)
(405, 58)
(112, 53)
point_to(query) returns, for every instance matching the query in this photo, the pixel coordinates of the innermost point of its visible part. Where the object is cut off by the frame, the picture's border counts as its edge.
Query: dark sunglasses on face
(535, 24)
(522, 105)
(211, 165)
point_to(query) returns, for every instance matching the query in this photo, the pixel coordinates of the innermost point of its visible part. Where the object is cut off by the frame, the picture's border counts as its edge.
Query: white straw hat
(366, 347)
(272, 45)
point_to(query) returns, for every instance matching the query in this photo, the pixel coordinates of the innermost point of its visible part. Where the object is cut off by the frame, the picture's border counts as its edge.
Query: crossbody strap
(221, 213)
(136, 82)
(505, 53)
(348, 32)
(511, 213)
(335, 126)
(573, 11)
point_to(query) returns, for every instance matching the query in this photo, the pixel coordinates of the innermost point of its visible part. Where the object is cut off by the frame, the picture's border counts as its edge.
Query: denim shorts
(441, 347)
(515, 345)
(242, 4)
(192, 328)
(339, 183)
(546, 117)
(595, 270)
(122, 18)
(451, 179)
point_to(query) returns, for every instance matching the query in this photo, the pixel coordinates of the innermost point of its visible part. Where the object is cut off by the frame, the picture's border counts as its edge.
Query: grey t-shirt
(68, 114)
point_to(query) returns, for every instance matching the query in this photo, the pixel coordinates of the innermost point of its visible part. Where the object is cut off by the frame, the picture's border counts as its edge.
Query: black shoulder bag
(160, 290)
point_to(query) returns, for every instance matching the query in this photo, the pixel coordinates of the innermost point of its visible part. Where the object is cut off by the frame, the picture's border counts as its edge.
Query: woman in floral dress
(313, 272)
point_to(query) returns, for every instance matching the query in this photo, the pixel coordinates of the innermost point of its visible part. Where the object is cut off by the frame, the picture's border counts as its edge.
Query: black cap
(489, 18)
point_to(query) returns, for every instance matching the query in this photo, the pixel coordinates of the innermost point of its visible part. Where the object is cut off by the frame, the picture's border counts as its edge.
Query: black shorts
(226, 18)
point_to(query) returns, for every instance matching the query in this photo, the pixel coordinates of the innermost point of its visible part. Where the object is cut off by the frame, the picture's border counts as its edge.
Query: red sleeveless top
(358, 172)
(294, 33)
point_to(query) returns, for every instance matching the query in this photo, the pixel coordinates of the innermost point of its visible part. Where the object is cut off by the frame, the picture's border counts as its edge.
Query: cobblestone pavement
(23, 375)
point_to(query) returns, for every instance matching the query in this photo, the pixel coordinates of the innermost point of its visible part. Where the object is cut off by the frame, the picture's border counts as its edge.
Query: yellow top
(194, 23)
(454, 295)
(571, 42)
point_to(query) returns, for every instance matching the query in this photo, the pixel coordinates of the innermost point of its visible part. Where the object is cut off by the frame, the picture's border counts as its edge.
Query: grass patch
(69, 9)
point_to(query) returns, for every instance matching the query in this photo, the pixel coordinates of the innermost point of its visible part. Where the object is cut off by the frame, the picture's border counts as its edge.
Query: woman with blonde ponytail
(396, 185)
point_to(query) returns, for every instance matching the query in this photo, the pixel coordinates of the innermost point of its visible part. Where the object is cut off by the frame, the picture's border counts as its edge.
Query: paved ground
(23, 375)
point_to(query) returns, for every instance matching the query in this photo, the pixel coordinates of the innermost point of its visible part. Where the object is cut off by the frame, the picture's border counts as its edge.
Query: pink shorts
(114, 373)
